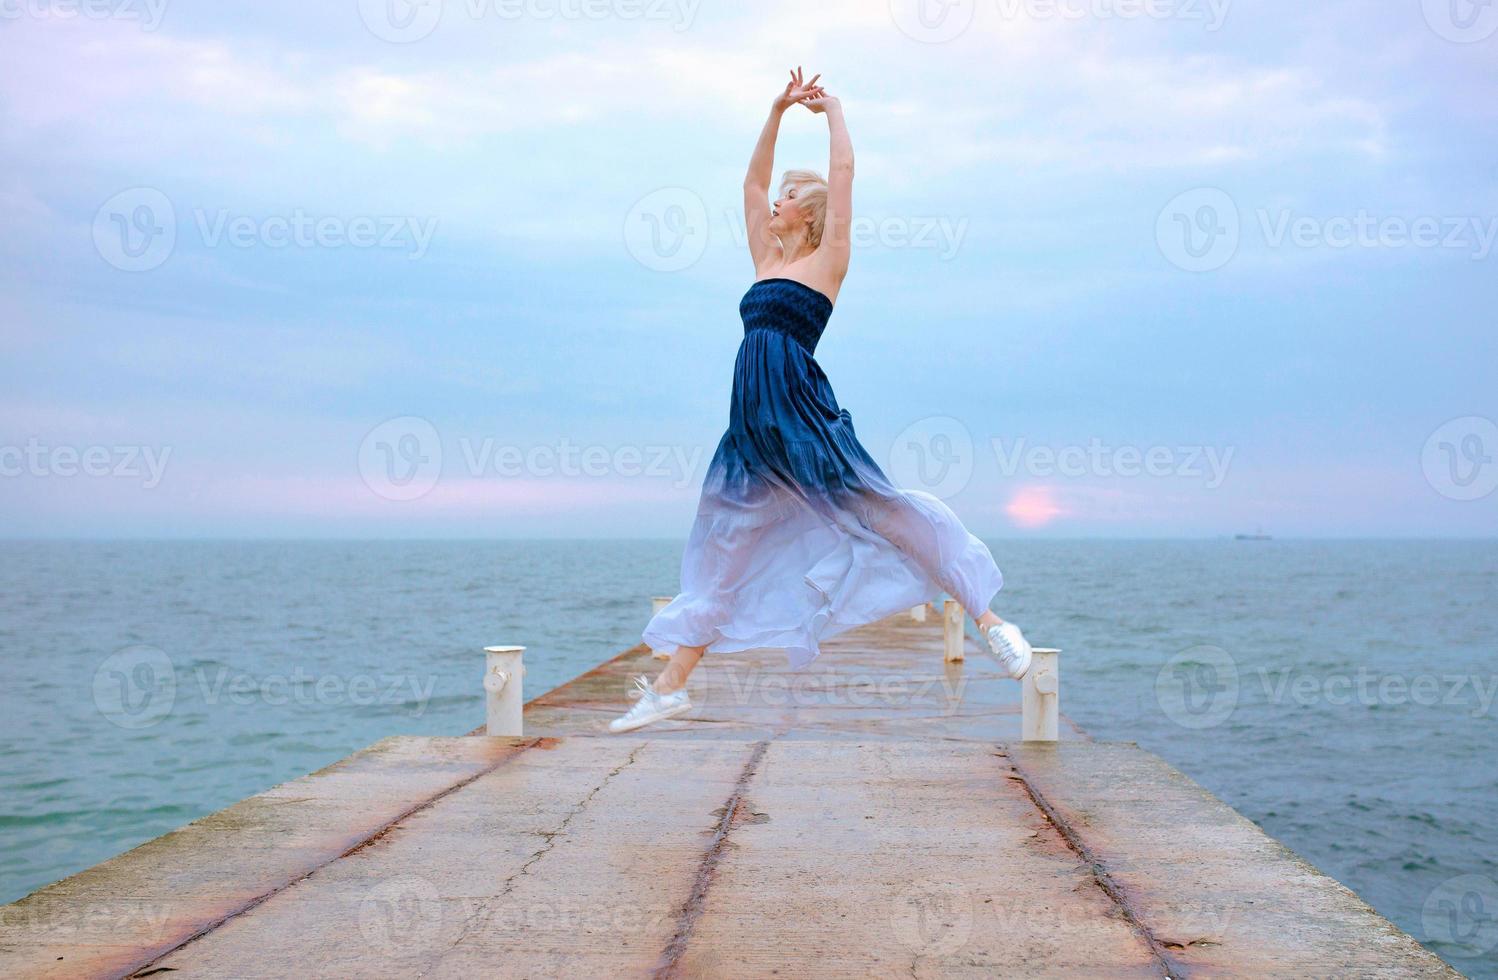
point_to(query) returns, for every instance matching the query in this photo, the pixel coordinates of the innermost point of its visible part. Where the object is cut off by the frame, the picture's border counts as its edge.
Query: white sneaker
(1010, 649)
(651, 707)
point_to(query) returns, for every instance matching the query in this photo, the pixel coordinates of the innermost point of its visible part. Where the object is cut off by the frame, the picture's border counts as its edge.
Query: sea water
(1340, 694)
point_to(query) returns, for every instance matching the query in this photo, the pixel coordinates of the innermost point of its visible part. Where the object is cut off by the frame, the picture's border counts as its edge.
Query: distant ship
(1258, 535)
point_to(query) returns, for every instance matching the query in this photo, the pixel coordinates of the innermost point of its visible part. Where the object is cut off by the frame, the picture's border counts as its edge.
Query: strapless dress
(798, 534)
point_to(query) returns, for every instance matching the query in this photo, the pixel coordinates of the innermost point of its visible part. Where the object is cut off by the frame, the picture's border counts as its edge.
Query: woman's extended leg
(927, 531)
(665, 697)
(673, 677)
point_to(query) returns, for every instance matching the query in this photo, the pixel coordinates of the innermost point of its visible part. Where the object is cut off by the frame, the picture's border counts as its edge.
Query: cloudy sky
(471, 268)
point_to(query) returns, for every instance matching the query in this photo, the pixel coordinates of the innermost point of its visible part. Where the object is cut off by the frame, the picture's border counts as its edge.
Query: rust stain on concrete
(1096, 867)
(691, 910)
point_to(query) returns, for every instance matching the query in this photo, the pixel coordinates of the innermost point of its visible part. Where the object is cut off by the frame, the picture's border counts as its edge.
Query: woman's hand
(797, 90)
(821, 101)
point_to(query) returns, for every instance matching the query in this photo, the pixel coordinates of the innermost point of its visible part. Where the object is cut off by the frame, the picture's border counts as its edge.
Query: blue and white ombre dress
(799, 535)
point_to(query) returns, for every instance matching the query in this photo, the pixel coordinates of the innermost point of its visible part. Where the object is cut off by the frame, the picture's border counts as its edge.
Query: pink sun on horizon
(1032, 507)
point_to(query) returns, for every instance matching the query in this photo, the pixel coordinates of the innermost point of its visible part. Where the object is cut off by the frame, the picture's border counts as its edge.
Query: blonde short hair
(811, 197)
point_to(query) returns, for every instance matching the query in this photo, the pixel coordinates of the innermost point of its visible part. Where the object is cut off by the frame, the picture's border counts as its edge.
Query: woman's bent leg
(673, 677)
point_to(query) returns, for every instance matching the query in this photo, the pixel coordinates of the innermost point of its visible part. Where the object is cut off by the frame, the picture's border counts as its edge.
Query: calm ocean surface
(1338, 693)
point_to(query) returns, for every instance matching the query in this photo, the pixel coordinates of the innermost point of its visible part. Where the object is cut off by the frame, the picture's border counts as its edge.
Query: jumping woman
(799, 535)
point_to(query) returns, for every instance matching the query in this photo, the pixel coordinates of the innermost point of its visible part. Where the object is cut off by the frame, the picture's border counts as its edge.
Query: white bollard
(504, 697)
(953, 638)
(657, 603)
(1041, 708)
(918, 613)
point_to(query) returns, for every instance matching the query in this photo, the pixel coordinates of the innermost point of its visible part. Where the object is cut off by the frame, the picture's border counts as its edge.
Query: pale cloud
(611, 82)
(1034, 93)
(625, 112)
(1109, 109)
(91, 67)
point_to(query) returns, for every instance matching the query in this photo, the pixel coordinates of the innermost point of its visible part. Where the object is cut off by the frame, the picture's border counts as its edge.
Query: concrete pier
(876, 815)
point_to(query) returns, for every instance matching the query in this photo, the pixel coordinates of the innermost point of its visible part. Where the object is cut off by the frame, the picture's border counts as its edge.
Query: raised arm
(836, 246)
(762, 164)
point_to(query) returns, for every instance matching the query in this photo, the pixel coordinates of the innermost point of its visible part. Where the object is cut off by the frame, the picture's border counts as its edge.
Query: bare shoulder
(810, 271)
(826, 268)
(770, 265)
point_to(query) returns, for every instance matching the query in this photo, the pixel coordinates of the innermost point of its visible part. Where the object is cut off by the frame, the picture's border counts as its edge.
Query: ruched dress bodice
(788, 307)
